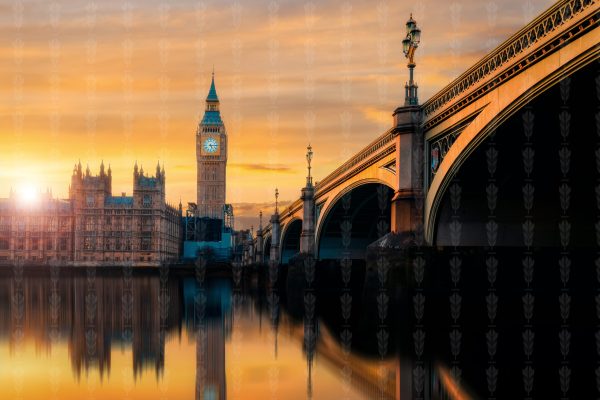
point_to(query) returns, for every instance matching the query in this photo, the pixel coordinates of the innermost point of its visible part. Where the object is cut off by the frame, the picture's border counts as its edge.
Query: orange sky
(125, 80)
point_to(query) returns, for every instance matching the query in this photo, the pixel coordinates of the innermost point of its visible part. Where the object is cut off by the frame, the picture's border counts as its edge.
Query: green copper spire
(212, 115)
(212, 93)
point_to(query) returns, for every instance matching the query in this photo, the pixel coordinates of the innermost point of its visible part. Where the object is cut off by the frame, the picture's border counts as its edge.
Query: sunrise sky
(126, 80)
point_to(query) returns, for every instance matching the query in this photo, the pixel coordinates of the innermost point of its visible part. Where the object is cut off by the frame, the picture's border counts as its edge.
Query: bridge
(532, 90)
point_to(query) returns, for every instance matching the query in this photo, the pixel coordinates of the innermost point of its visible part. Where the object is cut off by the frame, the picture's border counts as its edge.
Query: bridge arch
(290, 239)
(493, 108)
(366, 204)
(561, 118)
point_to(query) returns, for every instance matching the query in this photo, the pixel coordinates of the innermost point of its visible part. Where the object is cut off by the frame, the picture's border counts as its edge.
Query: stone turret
(90, 190)
(148, 190)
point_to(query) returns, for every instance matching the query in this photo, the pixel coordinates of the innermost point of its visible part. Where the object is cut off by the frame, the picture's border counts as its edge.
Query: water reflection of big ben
(213, 330)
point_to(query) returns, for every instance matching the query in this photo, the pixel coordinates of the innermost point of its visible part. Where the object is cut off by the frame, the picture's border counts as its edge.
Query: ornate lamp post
(309, 155)
(405, 217)
(409, 46)
(307, 237)
(276, 201)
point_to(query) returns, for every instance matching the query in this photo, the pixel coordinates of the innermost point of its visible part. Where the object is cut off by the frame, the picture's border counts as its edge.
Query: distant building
(93, 227)
(141, 228)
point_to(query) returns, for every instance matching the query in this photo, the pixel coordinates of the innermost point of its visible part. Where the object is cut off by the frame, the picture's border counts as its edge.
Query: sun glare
(28, 194)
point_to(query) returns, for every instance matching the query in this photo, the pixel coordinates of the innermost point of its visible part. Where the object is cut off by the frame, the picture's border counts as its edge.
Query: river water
(133, 334)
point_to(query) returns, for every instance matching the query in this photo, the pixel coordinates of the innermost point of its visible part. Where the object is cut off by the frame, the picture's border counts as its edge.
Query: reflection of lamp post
(309, 155)
(409, 46)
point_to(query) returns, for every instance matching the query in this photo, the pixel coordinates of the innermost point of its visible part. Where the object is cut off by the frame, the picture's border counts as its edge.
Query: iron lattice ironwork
(531, 35)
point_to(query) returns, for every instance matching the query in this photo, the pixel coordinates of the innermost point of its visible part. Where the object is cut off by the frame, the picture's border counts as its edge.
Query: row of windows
(35, 258)
(116, 211)
(89, 244)
(129, 212)
(35, 244)
(90, 222)
(91, 230)
(91, 201)
(8, 219)
(118, 234)
(35, 223)
(117, 258)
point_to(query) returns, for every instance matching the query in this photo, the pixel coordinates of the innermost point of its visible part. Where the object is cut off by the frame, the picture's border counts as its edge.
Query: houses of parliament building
(93, 227)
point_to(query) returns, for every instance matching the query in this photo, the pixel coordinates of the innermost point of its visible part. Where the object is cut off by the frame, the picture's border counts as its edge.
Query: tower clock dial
(210, 145)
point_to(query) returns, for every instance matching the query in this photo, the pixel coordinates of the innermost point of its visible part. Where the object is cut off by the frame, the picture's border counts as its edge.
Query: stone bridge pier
(406, 216)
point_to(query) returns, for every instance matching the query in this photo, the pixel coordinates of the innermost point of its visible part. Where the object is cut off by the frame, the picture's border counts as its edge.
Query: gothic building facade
(38, 233)
(93, 227)
(211, 156)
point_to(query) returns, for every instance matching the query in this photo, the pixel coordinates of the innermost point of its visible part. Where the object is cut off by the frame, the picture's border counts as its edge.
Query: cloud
(247, 214)
(261, 167)
(253, 209)
(374, 114)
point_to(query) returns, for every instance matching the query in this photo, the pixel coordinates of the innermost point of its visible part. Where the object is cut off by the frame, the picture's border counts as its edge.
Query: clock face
(210, 145)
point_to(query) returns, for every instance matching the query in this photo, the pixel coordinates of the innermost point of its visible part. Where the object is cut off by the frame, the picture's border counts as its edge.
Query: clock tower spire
(211, 155)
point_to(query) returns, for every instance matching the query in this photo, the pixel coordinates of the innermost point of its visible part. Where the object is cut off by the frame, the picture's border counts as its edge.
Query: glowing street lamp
(409, 46)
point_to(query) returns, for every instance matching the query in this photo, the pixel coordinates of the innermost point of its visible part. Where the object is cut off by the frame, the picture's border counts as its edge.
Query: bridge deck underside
(545, 178)
(354, 222)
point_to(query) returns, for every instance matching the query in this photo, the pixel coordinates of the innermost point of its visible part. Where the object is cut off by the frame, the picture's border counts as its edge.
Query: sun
(28, 193)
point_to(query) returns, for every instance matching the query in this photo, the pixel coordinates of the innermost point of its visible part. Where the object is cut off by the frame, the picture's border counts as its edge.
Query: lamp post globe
(409, 46)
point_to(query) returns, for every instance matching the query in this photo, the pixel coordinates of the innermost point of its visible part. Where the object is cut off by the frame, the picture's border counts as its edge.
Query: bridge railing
(357, 159)
(559, 14)
(371, 148)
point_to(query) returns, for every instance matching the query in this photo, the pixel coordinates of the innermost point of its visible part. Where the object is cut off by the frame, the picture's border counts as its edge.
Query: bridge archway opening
(290, 242)
(560, 157)
(364, 213)
(267, 250)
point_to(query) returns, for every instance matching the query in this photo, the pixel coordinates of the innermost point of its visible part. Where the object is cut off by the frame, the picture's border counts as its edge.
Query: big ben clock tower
(211, 154)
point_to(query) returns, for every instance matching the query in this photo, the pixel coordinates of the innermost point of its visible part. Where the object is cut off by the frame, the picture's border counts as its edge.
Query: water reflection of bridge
(372, 377)
(219, 307)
